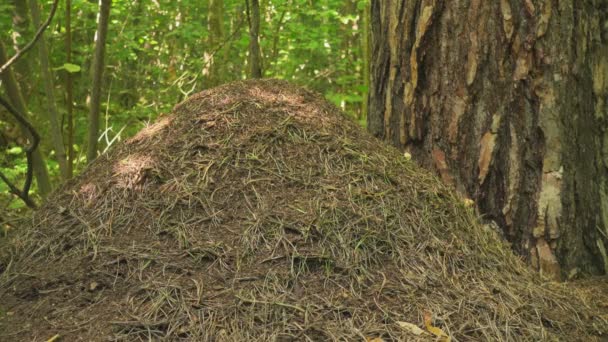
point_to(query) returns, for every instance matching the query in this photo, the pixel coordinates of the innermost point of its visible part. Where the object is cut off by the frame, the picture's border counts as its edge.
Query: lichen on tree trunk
(506, 100)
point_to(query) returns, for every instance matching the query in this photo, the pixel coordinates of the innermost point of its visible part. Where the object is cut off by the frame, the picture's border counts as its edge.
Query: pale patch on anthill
(87, 193)
(272, 97)
(131, 171)
(151, 130)
(298, 107)
(225, 100)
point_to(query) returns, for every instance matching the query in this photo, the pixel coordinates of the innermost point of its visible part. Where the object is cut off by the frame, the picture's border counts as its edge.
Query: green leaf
(14, 150)
(15, 205)
(362, 4)
(71, 68)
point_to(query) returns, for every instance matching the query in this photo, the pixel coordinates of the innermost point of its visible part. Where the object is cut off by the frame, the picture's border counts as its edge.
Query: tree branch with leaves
(34, 137)
(30, 45)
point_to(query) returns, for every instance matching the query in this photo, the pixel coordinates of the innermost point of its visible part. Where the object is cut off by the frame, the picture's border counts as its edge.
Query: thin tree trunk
(365, 52)
(53, 116)
(21, 32)
(277, 38)
(98, 66)
(14, 93)
(507, 101)
(69, 89)
(132, 84)
(216, 40)
(255, 56)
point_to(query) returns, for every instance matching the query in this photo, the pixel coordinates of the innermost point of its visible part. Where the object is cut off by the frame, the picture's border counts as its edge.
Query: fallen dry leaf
(374, 339)
(413, 328)
(428, 322)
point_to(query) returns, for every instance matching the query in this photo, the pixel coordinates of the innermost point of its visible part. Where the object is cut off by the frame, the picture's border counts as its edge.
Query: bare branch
(23, 194)
(220, 46)
(29, 45)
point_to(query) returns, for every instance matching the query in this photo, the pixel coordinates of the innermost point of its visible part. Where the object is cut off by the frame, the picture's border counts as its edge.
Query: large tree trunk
(507, 101)
(98, 66)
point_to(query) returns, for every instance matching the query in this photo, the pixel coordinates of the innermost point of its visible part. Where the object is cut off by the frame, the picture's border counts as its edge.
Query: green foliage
(160, 52)
(6, 8)
(318, 46)
(16, 167)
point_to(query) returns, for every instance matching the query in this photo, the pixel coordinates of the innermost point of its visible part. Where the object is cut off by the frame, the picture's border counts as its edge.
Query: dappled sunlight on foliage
(154, 61)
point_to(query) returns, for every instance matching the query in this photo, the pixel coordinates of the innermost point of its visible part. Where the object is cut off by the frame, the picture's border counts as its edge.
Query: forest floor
(258, 211)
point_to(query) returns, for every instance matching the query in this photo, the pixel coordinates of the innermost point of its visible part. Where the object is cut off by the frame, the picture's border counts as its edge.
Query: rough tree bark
(507, 101)
(98, 66)
(255, 55)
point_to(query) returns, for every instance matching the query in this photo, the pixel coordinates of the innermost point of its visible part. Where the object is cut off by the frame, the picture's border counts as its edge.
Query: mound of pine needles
(258, 211)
